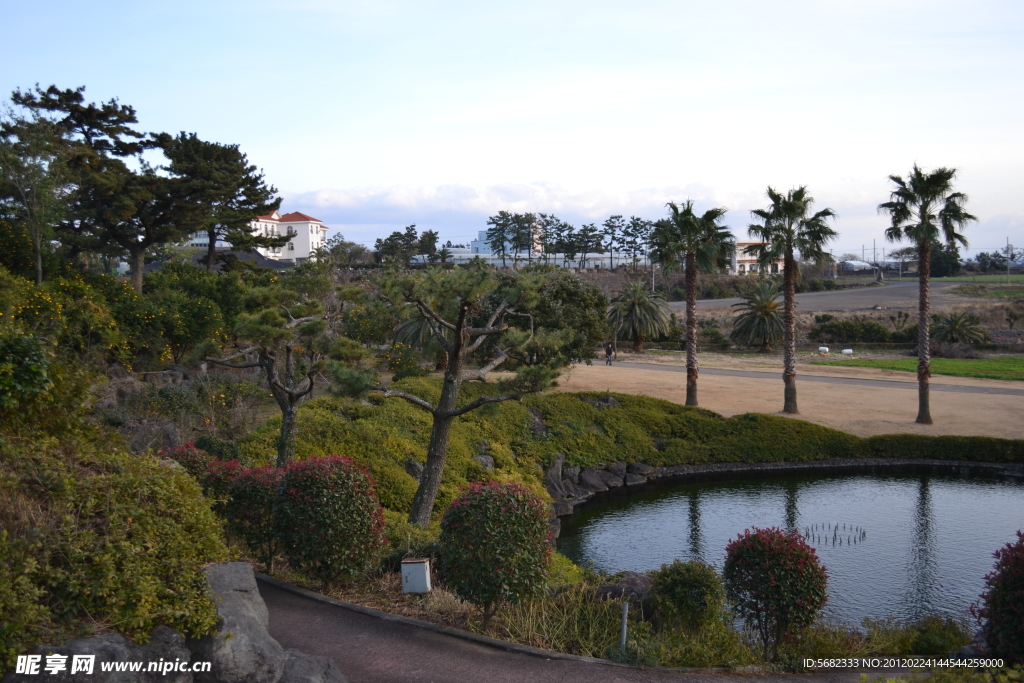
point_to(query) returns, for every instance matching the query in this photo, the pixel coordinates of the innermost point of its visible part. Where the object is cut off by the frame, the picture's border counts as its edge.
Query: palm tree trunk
(789, 335)
(924, 341)
(638, 341)
(691, 329)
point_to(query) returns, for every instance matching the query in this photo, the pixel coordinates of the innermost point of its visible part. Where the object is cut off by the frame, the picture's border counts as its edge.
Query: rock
(537, 426)
(556, 527)
(610, 479)
(164, 643)
(303, 668)
(633, 586)
(592, 481)
(241, 650)
(163, 378)
(572, 490)
(414, 469)
(571, 473)
(485, 460)
(553, 473)
(106, 403)
(643, 469)
(635, 480)
(562, 508)
(186, 373)
(606, 402)
(617, 468)
(126, 389)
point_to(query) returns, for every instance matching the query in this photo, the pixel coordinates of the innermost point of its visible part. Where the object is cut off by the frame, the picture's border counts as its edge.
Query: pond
(899, 546)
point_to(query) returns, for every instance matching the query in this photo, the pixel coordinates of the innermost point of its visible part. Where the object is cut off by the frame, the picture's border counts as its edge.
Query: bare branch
(415, 400)
(481, 373)
(481, 401)
(429, 312)
(445, 344)
(243, 352)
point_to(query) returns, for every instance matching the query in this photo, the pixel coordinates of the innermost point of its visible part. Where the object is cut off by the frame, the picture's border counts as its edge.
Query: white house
(309, 235)
(745, 264)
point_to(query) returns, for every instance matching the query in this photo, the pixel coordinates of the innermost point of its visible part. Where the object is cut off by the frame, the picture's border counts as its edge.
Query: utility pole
(1009, 253)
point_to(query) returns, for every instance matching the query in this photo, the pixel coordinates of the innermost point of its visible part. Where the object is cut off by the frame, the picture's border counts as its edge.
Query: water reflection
(894, 546)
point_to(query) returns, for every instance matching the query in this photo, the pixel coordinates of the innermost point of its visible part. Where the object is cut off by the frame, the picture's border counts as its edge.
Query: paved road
(373, 649)
(829, 379)
(895, 295)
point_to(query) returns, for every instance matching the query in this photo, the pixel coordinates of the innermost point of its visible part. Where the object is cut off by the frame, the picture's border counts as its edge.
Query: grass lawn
(1006, 367)
(991, 291)
(1014, 277)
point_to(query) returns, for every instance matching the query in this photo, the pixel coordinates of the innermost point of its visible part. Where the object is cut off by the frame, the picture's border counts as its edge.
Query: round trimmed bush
(687, 595)
(774, 580)
(328, 518)
(495, 545)
(1001, 608)
(250, 511)
(216, 482)
(194, 460)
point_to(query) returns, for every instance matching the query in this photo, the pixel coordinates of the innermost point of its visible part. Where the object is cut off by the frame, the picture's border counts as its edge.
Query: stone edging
(487, 641)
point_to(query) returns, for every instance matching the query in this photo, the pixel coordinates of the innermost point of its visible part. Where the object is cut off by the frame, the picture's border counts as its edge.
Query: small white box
(416, 575)
(847, 352)
(822, 349)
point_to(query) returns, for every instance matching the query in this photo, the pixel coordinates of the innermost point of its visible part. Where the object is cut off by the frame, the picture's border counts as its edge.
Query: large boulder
(303, 668)
(165, 645)
(241, 650)
(591, 480)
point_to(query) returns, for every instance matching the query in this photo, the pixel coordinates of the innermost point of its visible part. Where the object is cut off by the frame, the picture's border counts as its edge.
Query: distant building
(746, 264)
(309, 235)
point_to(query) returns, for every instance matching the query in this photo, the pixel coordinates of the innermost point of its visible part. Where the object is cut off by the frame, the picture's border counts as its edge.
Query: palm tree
(924, 209)
(643, 312)
(959, 328)
(698, 243)
(787, 226)
(444, 254)
(759, 322)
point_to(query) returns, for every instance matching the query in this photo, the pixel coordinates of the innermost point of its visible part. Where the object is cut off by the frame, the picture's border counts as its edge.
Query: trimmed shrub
(495, 545)
(774, 580)
(250, 511)
(219, 449)
(687, 595)
(1000, 611)
(328, 518)
(851, 330)
(194, 460)
(216, 482)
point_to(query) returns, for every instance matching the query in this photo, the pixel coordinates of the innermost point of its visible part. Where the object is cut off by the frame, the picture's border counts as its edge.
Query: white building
(309, 235)
(746, 264)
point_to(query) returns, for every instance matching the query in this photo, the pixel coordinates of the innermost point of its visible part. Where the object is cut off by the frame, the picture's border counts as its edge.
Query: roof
(296, 217)
(269, 217)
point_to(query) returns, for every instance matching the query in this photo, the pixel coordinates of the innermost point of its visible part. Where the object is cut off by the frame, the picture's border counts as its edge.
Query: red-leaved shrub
(495, 545)
(1001, 608)
(250, 511)
(216, 482)
(776, 584)
(328, 518)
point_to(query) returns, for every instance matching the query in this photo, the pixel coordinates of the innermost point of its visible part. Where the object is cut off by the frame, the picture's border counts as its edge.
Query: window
(291, 247)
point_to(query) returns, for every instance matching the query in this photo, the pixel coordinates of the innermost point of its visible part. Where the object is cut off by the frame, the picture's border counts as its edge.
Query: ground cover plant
(1001, 608)
(1001, 367)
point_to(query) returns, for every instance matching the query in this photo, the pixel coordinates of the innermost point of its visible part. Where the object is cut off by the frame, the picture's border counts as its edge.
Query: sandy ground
(861, 410)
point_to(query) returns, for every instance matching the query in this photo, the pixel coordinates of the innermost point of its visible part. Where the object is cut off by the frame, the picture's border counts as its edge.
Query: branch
(490, 328)
(481, 373)
(415, 400)
(429, 312)
(445, 344)
(238, 366)
(243, 352)
(481, 401)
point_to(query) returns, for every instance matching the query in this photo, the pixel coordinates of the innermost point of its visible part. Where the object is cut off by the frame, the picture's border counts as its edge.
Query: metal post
(625, 617)
(1009, 253)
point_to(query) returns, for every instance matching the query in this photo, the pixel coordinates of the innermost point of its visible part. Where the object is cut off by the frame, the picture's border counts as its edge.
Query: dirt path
(861, 409)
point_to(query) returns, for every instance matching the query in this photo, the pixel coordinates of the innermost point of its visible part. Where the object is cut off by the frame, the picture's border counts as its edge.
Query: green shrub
(495, 545)
(935, 635)
(407, 540)
(688, 595)
(775, 583)
(194, 460)
(216, 482)
(95, 535)
(1001, 608)
(328, 518)
(219, 449)
(250, 511)
(23, 369)
(919, 446)
(851, 330)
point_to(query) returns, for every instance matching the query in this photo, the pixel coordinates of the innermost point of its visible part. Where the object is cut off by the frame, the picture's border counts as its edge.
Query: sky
(374, 115)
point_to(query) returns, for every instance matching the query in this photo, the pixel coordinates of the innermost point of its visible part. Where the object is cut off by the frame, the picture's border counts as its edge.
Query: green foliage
(1001, 608)
(1002, 367)
(856, 329)
(688, 595)
(250, 511)
(639, 313)
(328, 518)
(216, 481)
(16, 252)
(775, 583)
(95, 535)
(194, 460)
(759, 322)
(219, 449)
(401, 359)
(23, 369)
(563, 572)
(495, 545)
(959, 328)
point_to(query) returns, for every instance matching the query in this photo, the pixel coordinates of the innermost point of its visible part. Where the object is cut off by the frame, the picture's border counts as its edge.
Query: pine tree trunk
(924, 341)
(289, 430)
(211, 250)
(37, 244)
(437, 450)
(789, 335)
(691, 329)
(138, 258)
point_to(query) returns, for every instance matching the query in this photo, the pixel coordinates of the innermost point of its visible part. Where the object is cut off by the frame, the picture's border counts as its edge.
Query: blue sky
(373, 115)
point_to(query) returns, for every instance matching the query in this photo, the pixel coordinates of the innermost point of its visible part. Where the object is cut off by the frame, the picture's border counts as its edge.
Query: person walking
(608, 350)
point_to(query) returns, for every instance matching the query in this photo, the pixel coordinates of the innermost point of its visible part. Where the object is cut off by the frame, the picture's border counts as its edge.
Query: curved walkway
(374, 647)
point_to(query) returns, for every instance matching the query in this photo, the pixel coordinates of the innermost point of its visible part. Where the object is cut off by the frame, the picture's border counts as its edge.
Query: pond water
(906, 545)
